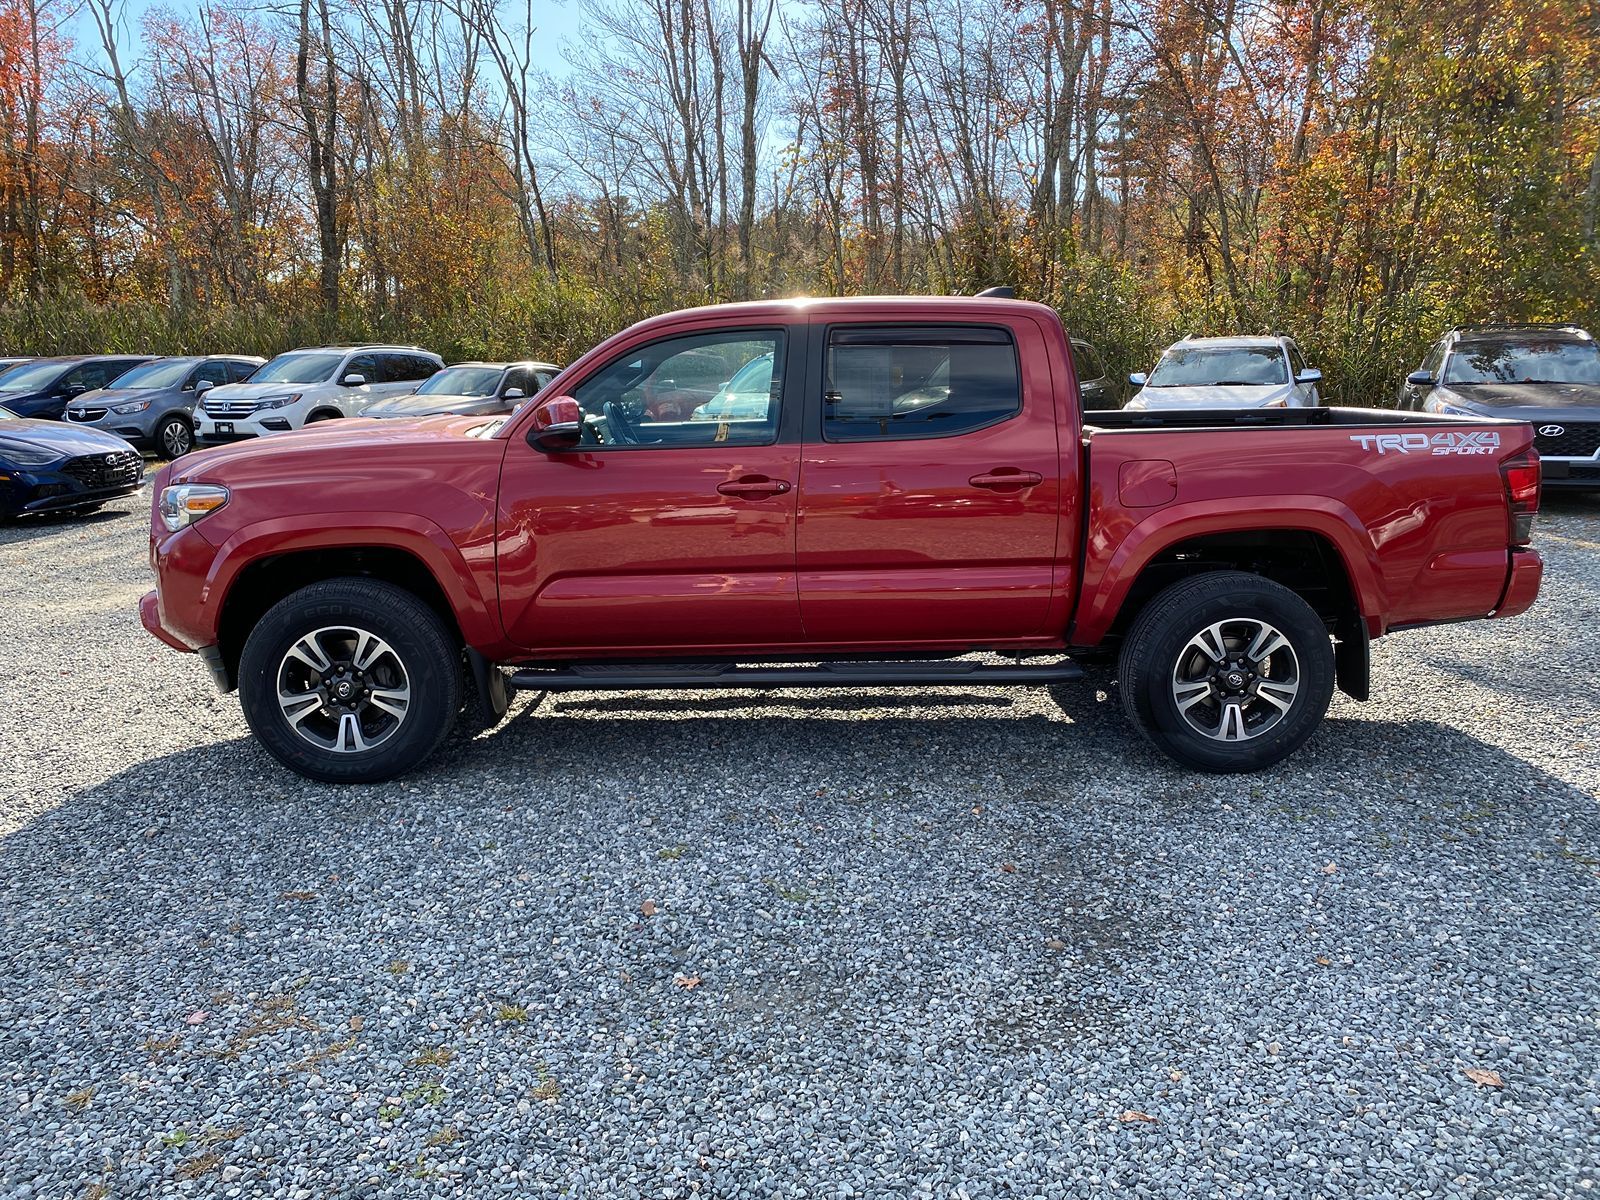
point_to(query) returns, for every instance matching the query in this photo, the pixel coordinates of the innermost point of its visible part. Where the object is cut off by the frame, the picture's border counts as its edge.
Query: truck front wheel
(350, 681)
(1227, 671)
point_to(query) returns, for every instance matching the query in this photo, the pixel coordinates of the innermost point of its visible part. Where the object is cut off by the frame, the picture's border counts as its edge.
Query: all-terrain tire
(279, 688)
(1172, 686)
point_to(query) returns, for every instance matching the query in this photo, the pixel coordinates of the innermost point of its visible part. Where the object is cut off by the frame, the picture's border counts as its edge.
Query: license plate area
(225, 427)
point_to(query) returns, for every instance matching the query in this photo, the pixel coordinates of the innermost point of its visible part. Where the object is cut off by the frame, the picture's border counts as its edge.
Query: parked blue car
(42, 387)
(47, 466)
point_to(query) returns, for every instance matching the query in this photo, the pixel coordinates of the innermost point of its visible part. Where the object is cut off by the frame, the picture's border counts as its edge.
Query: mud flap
(489, 685)
(1352, 659)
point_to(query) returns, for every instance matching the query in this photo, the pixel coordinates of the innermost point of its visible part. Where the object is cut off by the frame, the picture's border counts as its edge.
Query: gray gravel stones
(935, 944)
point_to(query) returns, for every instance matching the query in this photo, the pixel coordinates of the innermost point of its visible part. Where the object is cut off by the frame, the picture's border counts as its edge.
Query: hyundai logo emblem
(1552, 430)
(111, 458)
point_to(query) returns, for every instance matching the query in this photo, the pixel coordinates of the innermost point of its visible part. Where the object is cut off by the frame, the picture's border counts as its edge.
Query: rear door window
(88, 376)
(407, 368)
(917, 382)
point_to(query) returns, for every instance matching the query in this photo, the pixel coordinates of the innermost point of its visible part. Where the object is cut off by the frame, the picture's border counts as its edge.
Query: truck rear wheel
(350, 681)
(1227, 672)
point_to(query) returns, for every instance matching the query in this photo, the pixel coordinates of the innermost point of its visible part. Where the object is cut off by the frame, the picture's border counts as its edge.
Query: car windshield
(298, 367)
(164, 372)
(31, 376)
(755, 376)
(462, 381)
(1552, 360)
(1220, 366)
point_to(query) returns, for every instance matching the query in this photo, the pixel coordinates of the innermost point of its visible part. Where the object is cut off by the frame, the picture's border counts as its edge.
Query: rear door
(402, 374)
(930, 484)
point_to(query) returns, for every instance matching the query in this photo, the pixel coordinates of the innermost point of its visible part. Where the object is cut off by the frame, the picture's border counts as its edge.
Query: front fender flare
(406, 532)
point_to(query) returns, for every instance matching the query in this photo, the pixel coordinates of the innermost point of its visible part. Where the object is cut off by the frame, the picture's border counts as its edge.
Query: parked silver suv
(317, 383)
(1229, 372)
(152, 406)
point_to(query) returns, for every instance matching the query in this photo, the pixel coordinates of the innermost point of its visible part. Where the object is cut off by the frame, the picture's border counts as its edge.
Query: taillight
(1521, 475)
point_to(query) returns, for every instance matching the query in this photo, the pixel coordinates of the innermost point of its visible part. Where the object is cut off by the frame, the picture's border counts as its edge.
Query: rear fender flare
(1105, 586)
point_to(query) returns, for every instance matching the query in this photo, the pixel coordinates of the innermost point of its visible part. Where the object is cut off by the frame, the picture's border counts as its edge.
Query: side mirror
(513, 394)
(354, 379)
(1309, 375)
(203, 386)
(557, 424)
(1420, 379)
(1137, 379)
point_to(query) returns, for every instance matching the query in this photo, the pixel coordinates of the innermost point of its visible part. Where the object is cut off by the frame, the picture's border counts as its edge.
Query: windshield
(754, 376)
(164, 372)
(31, 376)
(1550, 361)
(1220, 366)
(462, 381)
(298, 367)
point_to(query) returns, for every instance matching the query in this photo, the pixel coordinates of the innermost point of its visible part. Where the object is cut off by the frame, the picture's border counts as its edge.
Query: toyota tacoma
(916, 498)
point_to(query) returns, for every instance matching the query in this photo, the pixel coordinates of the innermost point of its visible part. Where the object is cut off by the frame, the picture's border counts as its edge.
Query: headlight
(277, 401)
(132, 406)
(26, 455)
(1441, 406)
(185, 503)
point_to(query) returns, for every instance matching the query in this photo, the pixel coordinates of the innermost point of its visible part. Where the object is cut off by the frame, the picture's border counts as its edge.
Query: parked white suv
(313, 384)
(1229, 372)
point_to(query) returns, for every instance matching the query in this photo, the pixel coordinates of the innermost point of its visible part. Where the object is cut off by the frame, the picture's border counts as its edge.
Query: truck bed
(1124, 419)
(1411, 506)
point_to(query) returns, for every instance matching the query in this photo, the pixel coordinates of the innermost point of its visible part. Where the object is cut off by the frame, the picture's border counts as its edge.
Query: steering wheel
(619, 424)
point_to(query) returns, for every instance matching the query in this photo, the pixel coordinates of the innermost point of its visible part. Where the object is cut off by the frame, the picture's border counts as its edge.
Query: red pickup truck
(830, 493)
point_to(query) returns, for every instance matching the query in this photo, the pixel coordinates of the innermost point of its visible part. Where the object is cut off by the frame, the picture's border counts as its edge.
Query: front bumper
(130, 429)
(52, 489)
(1570, 474)
(150, 618)
(225, 431)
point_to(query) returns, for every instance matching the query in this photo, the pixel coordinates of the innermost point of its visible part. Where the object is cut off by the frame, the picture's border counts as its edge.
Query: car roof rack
(1514, 326)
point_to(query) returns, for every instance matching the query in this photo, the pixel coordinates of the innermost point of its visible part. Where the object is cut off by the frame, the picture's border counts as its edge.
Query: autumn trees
(1361, 172)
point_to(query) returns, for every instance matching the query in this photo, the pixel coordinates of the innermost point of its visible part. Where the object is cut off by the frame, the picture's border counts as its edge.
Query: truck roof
(888, 308)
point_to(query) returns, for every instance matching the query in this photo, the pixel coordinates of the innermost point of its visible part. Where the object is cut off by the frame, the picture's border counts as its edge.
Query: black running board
(628, 677)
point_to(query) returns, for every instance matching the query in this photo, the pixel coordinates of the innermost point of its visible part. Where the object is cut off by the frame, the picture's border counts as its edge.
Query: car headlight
(277, 401)
(132, 406)
(185, 503)
(25, 455)
(1443, 406)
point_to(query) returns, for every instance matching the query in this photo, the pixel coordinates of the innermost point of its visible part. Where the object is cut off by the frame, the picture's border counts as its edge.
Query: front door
(671, 526)
(930, 486)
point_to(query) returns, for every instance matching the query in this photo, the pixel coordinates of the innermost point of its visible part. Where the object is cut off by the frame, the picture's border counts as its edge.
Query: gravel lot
(796, 944)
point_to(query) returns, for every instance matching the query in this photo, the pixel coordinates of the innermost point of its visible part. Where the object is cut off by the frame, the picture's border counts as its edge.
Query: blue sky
(560, 20)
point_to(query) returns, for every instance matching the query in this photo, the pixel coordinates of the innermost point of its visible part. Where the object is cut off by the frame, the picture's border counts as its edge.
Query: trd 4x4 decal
(1471, 441)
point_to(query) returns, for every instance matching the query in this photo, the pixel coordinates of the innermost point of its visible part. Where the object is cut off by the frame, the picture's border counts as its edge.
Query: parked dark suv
(152, 406)
(1547, 375)
(43, 387)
